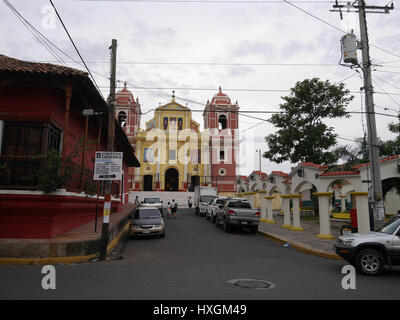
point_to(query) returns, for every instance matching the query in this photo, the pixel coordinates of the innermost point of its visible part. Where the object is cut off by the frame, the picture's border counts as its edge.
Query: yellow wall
(162, 141)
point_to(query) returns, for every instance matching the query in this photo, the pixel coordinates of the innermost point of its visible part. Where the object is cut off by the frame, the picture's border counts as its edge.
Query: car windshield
(151, 200)
(220, 201)
(390, 226)
(147, 214)
(239, 204)
(207, 199)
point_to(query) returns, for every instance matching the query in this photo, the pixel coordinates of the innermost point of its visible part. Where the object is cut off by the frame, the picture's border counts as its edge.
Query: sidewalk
(77, 245)
(305, 241)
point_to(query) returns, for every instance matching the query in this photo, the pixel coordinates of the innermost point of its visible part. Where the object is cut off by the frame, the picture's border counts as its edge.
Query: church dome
(124, 96)
(220, 98)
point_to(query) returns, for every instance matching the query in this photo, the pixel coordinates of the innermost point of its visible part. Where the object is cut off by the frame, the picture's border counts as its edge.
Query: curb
(69, 259)
(302, 248)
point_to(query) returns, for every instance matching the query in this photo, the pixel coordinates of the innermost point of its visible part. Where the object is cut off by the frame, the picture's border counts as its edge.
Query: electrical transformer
(349, 48)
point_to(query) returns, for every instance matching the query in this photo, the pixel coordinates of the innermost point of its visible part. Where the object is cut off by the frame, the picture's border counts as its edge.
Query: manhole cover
(251, 284)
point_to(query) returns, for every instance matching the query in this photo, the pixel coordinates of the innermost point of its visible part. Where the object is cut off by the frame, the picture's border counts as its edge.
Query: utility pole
(375, 193)
(110, 148)
(259, 158)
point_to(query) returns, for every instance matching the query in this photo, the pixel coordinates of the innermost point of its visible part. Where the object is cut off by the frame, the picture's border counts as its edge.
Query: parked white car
(213, 207)
(153, 202)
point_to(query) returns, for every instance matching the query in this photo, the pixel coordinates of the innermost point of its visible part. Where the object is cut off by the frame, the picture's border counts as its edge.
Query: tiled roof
(11, 65)
(339, 173)
(263, 175)
(314, 165)
(381, 160)
(280, 173)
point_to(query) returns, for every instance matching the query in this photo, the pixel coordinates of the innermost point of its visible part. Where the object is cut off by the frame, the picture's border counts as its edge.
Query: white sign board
(108, 166)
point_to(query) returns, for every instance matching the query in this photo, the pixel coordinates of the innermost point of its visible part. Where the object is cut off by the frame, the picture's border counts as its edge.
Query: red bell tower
(222, 120)
(128, 112)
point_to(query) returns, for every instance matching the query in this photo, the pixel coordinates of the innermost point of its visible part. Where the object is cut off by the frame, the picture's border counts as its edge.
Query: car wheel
(370, 262)
(226, 226)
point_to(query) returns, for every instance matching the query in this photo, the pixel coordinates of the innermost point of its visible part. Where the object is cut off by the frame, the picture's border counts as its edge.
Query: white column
(363, 224)
(286, 211)
(324, 218)
(343, 202)
(263, 209)
(270, 216)
(296, 213)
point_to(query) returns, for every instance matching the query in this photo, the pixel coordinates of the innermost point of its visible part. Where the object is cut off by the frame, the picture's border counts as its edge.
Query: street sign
(108, 166)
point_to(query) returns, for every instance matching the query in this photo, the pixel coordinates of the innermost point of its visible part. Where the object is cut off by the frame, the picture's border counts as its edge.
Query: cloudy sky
(256, 51)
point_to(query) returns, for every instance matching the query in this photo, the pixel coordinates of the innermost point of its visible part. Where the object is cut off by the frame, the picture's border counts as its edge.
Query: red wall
(47, 216)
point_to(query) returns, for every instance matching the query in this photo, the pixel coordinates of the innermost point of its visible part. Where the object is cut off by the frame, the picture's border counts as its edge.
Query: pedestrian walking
(137, 202)
(190, 202)
(169, 210)
(174, 208)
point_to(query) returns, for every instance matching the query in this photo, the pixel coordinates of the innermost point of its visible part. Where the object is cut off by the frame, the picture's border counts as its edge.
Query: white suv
(370, 252)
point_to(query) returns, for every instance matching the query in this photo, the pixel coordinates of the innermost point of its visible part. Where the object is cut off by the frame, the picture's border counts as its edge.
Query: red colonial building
(47, 150)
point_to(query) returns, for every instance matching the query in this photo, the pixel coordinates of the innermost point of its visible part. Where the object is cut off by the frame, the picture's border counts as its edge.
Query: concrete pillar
(286, 211)
(362, 211)
(324, 217)
(251, 198)
(296, 212)
(269, 207)
(263, 209)
(343, 202)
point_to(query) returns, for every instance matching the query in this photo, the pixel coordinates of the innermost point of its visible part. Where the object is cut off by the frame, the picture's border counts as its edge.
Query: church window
(222, 123)
(222, 155)
(122, 118)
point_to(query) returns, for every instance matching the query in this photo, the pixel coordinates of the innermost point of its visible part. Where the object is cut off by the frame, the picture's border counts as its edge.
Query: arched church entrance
(171, 180)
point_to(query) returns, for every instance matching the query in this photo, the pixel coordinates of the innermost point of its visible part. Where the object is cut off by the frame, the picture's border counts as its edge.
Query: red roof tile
(280, 173)
(381, 160)
(12, 65)
(339, 173)
(260, 173)
(314, 165)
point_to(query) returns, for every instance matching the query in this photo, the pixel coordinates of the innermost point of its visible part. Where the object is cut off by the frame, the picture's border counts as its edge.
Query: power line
(76, 49)
(227, 89)
(386, 93)
(335, 27)
(36, 33)
(387, 83)
(215, 63)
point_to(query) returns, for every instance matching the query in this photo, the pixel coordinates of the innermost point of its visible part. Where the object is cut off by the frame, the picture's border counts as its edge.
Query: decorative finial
(125, 85)
(173, 95)
(220, 90)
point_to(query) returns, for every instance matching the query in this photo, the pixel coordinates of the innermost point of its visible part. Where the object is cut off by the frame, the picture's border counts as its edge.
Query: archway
(171, 180)
(391, 195)
(341, 200)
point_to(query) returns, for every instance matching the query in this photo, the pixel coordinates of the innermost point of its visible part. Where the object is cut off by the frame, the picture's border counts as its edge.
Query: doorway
(171, 180)
(148, 182)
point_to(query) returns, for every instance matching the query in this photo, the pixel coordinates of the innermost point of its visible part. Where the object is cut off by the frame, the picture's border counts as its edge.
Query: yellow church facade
(170, 151)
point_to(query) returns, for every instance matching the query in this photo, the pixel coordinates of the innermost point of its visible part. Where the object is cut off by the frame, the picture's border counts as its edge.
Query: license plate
(244, 222)
(146, 231)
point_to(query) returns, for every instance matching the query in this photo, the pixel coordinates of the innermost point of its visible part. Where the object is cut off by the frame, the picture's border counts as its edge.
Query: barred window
(22, 143)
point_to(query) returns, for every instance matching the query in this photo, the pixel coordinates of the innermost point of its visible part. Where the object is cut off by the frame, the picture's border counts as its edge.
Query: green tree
(391, 147)
(301, 134)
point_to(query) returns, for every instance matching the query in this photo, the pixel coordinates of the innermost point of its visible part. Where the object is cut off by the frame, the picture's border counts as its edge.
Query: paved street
(194, 261)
